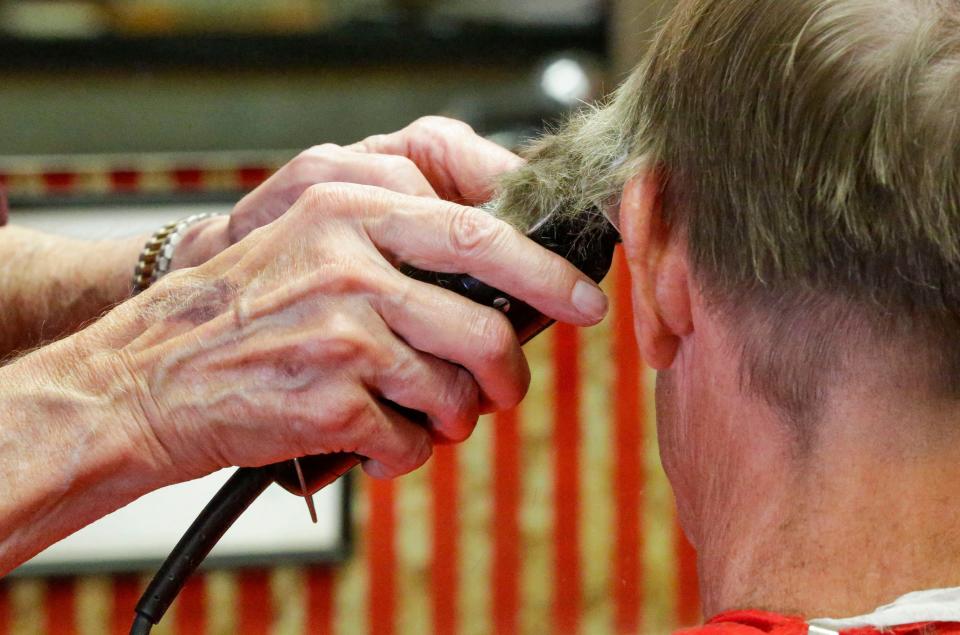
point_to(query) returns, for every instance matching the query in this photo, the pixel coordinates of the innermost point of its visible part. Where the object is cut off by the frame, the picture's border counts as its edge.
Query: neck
(868, 515)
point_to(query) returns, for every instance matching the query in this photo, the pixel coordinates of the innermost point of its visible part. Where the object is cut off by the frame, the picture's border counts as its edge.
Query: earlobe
(657, 260)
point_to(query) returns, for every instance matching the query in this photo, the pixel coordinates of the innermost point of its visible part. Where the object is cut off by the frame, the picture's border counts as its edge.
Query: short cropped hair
(811, 155)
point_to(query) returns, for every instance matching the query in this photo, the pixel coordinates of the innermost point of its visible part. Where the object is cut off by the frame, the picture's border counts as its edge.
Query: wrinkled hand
(433, 157)
(292, 341)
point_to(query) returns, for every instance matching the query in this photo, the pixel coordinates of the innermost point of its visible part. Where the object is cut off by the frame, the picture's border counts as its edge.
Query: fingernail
(589, 300)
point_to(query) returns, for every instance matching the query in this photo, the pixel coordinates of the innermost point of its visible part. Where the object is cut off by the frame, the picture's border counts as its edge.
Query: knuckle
(343, 340)
(398, 164)
(472, 232)
(345, 277)
(398, 173)
(427, 122)
(394, 297)
(344, 423)
(417, 452)
(371, 142)
(435, 123)
(393, 361)
(318, 151)
(330, 199)
(321, 194)
(306, 165)
(462, 399)
(497, 338)
(353, 201)
(361, 414)
(362, 281)
(384, 359)
(463, 389)
(348, 344)
(361, 426)
(311, 166)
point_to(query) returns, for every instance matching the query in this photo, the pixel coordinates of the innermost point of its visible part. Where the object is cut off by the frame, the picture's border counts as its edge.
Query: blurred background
(119, 115)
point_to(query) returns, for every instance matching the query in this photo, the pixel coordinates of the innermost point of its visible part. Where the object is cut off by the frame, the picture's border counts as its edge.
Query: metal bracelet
(157, 253)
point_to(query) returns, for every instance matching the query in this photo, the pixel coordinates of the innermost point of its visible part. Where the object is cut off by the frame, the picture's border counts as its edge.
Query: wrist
(201, 242)
(71, 453)
(114, 416)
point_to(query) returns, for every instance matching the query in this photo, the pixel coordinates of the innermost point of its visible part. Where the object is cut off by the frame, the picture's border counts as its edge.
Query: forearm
(71, 449)
(51, 285)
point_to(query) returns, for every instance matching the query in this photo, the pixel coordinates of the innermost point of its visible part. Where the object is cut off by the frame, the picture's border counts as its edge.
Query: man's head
(788, 181)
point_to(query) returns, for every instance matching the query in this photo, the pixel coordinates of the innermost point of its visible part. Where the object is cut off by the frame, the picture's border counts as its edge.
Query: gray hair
(810, 151)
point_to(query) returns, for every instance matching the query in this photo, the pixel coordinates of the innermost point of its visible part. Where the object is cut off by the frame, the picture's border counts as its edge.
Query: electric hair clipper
(589, 249)
(586, 240)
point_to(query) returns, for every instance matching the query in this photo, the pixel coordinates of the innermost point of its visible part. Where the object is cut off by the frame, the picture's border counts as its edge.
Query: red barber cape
(759, 622)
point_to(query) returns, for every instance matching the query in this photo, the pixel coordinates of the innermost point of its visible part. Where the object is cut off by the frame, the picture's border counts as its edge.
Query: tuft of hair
(568, 171)
(811, 154)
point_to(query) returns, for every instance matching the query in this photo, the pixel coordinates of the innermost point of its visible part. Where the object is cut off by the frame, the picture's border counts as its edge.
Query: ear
(657, 259)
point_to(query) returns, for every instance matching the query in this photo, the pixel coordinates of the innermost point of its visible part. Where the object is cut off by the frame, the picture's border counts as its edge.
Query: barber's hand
(290, 342)
(432, 157)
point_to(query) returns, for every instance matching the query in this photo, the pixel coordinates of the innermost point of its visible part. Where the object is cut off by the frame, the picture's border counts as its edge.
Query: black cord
(141, 625)
(221, 512)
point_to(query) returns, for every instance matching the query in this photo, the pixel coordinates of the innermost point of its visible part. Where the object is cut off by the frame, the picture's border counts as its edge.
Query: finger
(393, 172)
(398, 445)
(461, 165)
(327, 163)
(440, 236)
(447, 394)
(332, 163)
(454, 329)
(356, 422)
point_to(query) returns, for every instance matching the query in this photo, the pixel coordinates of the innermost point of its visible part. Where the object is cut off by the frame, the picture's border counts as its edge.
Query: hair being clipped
(811, 153)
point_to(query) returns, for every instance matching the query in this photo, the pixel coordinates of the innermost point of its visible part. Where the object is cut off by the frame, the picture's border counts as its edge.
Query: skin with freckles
(286, 330)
